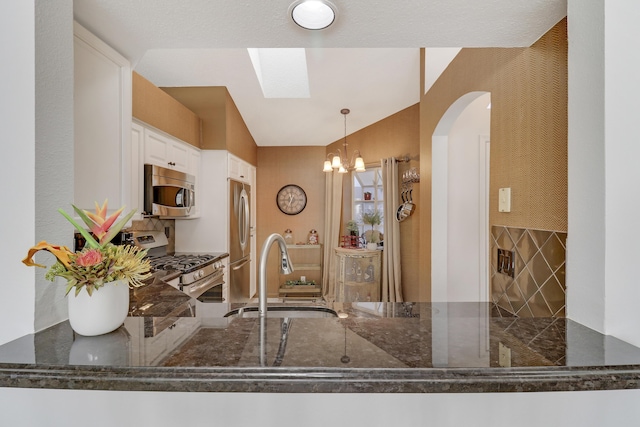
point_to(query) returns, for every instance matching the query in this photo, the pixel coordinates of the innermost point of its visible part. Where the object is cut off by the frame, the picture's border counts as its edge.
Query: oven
(200, 276)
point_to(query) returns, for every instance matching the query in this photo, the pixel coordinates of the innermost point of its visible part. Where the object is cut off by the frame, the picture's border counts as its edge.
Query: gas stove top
(199, 273)
(185, 263)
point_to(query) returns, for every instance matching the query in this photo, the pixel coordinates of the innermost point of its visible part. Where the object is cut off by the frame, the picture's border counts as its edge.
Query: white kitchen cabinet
(193, 164)
(136, 177)
(102, 123)
(238, 169)
(162, 150)
(153, 339)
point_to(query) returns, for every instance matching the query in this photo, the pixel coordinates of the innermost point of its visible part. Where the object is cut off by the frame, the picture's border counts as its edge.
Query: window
(368, 196)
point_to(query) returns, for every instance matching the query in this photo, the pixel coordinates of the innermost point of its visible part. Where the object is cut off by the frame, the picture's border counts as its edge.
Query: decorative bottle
(288, 236)
(313, 237)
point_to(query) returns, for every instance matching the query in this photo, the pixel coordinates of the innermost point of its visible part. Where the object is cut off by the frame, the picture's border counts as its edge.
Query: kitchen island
(171, 342)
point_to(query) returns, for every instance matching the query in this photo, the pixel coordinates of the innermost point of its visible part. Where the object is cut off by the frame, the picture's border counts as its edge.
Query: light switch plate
(504, 200)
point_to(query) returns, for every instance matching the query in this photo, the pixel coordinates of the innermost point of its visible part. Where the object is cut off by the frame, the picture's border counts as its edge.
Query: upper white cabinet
(102, 123)
(166, 151)
(193, 164)
(238, 169)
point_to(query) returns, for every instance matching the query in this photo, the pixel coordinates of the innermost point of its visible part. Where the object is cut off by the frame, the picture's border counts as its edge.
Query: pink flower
(102, 224)
(89, 258)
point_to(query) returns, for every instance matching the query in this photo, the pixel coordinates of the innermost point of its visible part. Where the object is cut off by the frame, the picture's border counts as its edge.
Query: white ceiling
(367, 61)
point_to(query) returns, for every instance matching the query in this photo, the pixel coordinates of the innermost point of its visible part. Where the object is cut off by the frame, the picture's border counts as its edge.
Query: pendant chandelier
(343, 164)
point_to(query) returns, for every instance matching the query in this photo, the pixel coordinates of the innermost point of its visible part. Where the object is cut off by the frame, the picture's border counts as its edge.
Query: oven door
(210, 285)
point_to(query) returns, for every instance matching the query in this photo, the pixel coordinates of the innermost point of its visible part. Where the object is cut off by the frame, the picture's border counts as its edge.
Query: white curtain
(391, 271)
(333, 208)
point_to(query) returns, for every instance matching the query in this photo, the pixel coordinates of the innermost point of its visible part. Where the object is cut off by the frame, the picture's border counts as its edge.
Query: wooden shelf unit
(307, 262)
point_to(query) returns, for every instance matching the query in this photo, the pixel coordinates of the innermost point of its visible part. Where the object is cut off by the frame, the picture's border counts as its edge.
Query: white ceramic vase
(372, 246)
(100, 313)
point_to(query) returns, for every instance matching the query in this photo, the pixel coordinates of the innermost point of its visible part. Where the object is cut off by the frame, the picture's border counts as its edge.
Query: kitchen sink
(279, 311)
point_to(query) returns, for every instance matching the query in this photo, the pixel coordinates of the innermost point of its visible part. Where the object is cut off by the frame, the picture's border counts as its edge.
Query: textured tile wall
(538, 288)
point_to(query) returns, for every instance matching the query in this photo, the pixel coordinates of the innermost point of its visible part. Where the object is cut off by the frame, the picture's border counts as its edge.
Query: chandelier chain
(341, 161)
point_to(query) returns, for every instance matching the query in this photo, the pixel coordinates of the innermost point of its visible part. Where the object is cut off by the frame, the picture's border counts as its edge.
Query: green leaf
(88, 237)
(83, 216)
(70, 285)
(115, 228)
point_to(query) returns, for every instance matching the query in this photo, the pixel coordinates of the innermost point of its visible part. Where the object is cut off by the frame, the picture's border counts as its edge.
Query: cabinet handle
(172, 164)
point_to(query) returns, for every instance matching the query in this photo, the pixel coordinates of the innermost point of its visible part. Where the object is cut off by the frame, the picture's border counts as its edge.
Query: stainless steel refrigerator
(239, 241)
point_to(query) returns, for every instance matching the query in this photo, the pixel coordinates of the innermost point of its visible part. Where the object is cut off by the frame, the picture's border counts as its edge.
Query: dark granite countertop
(171, 342)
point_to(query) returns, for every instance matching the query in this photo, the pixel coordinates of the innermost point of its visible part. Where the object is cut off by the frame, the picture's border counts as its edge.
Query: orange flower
(60, 252)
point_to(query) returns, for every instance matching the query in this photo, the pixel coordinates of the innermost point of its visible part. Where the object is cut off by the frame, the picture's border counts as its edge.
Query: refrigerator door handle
(244, 218)
(242, 264)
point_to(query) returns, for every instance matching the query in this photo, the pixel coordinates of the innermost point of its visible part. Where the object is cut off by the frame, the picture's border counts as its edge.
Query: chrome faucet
(285, 267)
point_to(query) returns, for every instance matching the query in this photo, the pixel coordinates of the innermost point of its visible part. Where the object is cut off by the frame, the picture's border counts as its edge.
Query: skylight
(282, 73)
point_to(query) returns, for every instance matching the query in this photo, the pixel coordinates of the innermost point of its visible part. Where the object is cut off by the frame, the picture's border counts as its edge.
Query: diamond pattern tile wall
(538, 288)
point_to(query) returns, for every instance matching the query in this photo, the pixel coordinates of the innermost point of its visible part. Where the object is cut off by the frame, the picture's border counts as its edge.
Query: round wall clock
(291, 199)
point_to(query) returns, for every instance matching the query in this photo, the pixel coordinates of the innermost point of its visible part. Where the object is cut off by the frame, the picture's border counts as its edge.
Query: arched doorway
(460, 171)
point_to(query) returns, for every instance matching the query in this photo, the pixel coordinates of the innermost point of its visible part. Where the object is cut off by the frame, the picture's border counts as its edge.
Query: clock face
(291, 199)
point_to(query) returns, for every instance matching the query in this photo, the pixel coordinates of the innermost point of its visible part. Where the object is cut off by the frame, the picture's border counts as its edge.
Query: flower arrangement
(100, 261)
(372, 218)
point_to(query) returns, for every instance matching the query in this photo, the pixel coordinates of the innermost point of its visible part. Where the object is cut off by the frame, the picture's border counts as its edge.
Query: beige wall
(528, 89)
(209, 104)
(394, 136)
(223, 128)
(278, 166)
(158, 109)
(239, 139)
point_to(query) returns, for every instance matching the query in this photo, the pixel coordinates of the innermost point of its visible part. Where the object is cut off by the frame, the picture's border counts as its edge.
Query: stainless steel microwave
(168, 193)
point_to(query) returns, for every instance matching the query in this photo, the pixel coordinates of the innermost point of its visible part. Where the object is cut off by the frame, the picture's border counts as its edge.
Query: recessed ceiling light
(313, 14)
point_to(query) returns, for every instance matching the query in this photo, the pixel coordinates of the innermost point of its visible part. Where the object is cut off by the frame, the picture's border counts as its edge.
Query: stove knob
(195, 276)
(201, 273)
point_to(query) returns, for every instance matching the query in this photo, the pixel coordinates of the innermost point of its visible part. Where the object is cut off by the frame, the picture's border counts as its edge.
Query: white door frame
(439, 201)
(484, 147)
